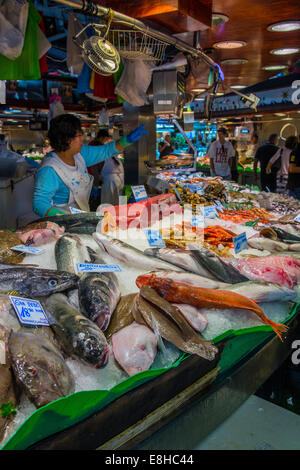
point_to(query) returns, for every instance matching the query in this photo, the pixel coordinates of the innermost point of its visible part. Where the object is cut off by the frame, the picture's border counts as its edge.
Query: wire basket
(137, 45)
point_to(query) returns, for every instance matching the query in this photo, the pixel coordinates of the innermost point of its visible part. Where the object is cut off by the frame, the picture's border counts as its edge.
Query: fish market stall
(143, 309)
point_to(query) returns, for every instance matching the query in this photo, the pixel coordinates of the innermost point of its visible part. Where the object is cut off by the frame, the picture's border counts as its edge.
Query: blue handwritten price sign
(29, 311)
(97, 268)
(73, 210)
(198, 221)
(155, 239)
(200, 190)
(209, 212)
(219, 206)
(139, 193)
(240, 242)
(297, 219)
(30, 250)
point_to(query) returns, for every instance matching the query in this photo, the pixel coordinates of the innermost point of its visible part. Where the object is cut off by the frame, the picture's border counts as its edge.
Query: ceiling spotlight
(274, 67)
(234, 61)
(285, 51)
(284, 26)
(218, 18)
(198, 90)
(229, 44)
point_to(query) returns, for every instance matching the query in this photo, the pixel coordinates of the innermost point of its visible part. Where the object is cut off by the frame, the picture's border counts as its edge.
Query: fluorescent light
(199, 99)
(258, 115)
(229, 44)
(234, 61)
(198, 90)
(279, 114)
(284, 26)
(237, 87)
(274, 67)
(285, 51)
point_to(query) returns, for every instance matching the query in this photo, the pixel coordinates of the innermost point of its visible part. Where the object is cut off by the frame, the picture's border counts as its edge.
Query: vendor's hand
(134, 136)
(55, 211)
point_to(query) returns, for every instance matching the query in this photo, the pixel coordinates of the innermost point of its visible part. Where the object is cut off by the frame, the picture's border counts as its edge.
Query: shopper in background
(109, 173)
(221, 153)
(263, 156)
(166, 148)
(294, 173)
(63, 181)
(252, 149)
(6, 153)
(234, 170)
(281, 161)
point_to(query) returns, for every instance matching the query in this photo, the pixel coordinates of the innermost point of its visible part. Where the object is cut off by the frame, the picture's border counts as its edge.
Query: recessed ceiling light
(237, 87)
(229, 44)
(284, 26)
(234, 61)
(274, 67)
(279, 114)
(258, 115)
(285, 51)
(198, 90)
(218, 18)
(199, 99)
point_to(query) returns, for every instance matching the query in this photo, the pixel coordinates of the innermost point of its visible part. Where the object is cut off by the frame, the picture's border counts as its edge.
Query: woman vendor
(63, 180)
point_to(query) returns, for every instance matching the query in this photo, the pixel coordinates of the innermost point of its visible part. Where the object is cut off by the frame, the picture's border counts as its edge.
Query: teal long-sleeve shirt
(50, 190)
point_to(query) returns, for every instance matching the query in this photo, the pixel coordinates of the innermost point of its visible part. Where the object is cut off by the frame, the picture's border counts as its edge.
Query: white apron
(78, 181)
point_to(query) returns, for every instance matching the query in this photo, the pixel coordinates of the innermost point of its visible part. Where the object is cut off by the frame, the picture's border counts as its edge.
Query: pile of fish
(277, 239)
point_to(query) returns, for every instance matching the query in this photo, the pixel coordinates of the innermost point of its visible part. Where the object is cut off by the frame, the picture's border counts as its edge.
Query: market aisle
(256, 425)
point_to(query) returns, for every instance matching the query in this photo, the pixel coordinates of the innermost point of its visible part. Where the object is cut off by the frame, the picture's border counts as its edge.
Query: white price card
(209, 211)
(219, 206)
(198, 221)
(30, 250)
(155, 239)
(29, 311)
(139, 193)
(97, 268)
(240, 242)
(73, 210)
(297, 218)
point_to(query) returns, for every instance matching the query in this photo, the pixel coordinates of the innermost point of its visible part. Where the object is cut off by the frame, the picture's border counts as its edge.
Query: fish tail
(279, 328)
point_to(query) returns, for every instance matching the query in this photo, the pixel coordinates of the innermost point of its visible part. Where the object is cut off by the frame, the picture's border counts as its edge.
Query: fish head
(93, 344)
(40, 367)
(48, 282)
(144, 280)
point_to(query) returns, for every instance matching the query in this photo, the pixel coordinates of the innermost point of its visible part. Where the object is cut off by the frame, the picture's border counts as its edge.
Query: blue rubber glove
(53, 211)
(134, 136)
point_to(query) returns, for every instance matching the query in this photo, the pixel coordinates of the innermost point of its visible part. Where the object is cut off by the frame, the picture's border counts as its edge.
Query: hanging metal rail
(91, 8)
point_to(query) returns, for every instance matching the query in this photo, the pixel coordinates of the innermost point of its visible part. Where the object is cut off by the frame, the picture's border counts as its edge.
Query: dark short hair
(272, 138)
(291, 142)
(102, 133)
(62, 130)
(233, 142)
(223, 130)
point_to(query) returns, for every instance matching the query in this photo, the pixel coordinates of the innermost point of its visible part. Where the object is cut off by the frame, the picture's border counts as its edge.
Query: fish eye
(52, 282)
(31, 371)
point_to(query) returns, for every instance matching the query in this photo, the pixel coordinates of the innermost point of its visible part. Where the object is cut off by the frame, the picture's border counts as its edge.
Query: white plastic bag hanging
(13, 21)
(74, 59)
(56, 107)
(134, 81)
(103, 119)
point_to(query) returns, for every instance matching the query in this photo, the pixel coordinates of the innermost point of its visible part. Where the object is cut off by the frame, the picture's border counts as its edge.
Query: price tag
(155, 239)
(297, 218)
(97, 268)
(240, 242)
(198, 222)
(200, 190)
(139, 193)
(219, 206)
(29, 311)
(209, 211)
(30, 250)
(73, 210)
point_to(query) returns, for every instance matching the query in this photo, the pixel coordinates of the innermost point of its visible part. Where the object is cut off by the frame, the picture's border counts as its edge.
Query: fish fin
(278, 328)
(92, 254)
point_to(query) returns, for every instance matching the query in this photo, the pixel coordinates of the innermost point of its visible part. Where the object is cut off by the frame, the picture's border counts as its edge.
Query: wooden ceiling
(248, 21)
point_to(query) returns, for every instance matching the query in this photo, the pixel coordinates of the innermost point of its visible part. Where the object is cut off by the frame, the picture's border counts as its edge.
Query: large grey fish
(180, 258)
(70, 250)
(275, 233)
(78, 335)
(35, 282)
(128, 254)
(39, 368)
(86, 218)
(216, 266)
(98, 294)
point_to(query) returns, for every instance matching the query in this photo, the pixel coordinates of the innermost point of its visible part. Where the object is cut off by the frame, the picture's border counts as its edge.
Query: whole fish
(215, 265)
(8, 391)
(263, 291)
(183, 277)
(70, 250)
(98, 294)
(177, 292)
(275, 233)
(294, 247)
(261, 243)
(161, 316)
(181, 258)
(122, 315)
(283, 270)
(128, 254)
(35, 282)
(134, 348)
(39, 368)
(193, 316)
(78, 335)
(86, 218)
(82, 229)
